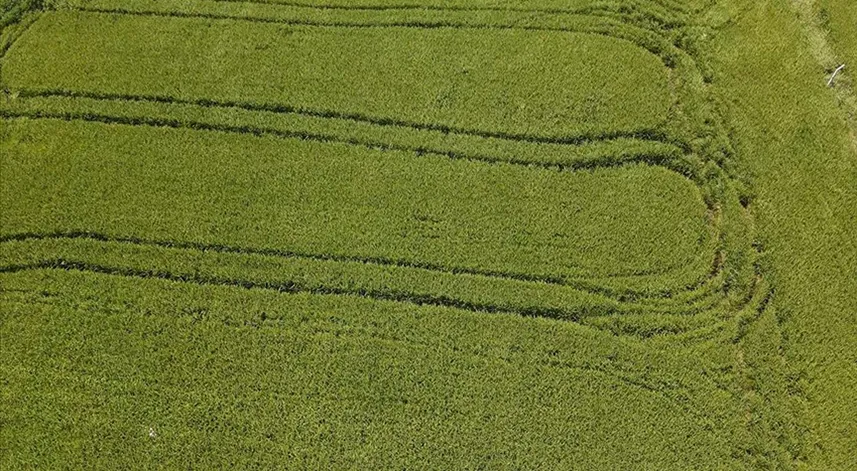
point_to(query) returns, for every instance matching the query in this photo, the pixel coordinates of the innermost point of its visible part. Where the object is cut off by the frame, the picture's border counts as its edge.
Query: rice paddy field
(425, 234)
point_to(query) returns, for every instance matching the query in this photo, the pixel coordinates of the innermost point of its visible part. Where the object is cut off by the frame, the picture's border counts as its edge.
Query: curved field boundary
(682, 125)
(672, 56)
(707, 252)
(580, 285)
(200, 264)
(654, 149)
(13, 31)
(631, 10)
(650, 14)
(652, 41)
(625, 363)
(645, 135)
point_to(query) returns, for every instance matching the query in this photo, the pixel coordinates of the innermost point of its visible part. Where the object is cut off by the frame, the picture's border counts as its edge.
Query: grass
(835, 16)
(806, 172)
(416, 234)
(407, 76)
(310, 383)
(339, 199)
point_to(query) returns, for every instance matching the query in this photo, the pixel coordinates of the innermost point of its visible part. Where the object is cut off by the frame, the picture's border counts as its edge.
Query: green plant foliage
(204, 375)
(837, 17)
(339, 199)
(421, 77)
(793, 139)
(398, 234)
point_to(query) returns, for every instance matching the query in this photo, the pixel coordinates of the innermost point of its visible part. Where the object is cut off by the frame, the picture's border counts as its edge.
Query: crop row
(255, 119)
(653, 14)
(660, 40)
(690, 122)
(708, 303)
(570, 344)
(348, 199)
(620, 152)
(690, 145)
(437, 79)
(154, 342)
(701, 291)
(688, 113)
(404, 284)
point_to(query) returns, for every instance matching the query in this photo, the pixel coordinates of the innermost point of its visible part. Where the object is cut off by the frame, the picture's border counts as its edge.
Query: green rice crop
(794, 140)
(330, 198)
(838, 17)
(383, 234)
(300, 380)
(421, 77)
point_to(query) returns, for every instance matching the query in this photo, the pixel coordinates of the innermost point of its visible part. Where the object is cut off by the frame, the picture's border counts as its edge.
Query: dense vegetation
(837, 18)
(413, 233)
(792, 136)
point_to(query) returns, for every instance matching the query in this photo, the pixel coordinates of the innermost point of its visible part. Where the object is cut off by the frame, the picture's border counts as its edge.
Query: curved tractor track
(691, 141)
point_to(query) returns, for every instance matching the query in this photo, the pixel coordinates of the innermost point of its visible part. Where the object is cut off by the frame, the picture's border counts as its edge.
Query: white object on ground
(830, 82)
